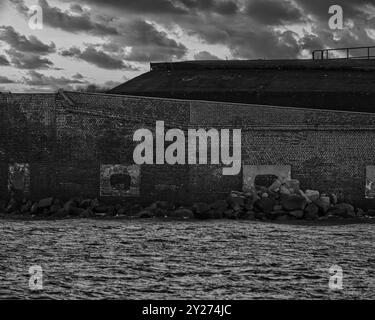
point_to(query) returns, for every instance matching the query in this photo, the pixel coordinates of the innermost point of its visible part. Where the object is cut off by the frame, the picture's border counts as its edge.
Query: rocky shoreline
(282, 202)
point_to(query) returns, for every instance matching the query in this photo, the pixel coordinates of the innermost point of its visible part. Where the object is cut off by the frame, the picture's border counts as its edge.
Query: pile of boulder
(283, 200)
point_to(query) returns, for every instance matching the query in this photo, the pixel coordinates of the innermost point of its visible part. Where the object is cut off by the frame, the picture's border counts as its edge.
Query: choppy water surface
(174, 260)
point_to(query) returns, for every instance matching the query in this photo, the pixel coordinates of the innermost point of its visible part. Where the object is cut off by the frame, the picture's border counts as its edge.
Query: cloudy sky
(107, 42)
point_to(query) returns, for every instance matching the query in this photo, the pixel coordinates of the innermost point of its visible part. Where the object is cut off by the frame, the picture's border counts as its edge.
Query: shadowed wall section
(71, 141)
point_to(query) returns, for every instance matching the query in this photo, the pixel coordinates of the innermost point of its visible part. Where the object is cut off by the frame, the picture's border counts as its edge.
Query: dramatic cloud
(80, 21)
(147, 43)
(21, 43)
(205, 55)
(275, 12)
(6, 80)
(142, 6)
(22, 60)
(224, 7)
(98, 58)
(169, 7)
(38, 79)
(112, 34)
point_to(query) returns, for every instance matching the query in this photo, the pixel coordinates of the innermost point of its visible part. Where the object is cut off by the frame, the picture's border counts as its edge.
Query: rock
(293, 202)
(371, 212)
(265, 205)
(68, 206)
(284, 217)
(275, 214)
(231, 214)
(54, 208)
(101, 208)
(292, 185)
(86, 213)
(275, 186)
(332, 198)
(60, 213)
(135, 209)
(45, 203)
(249, 205)
(122, 212)
(85, 204)
(162, 213)
(248, 215)
(305, 196)
(236, 203)
(313, 195)
(153, 207)
(296, 213)
(200, 207)
(111, 211)
(311, 209)
(75, 211)
(322, 205)
(26, 207)
(94, 203)
(311, 216)
(34, 208)
(202, 211)
(219, 207)
(284, 190)
(204, 215)
(100, 214)
(260, 216)
(217, 214)
(325, 199)
(359, 212)
(163, 205)
(12, 206)
(277, 207)
(342, 210)
(183, 213)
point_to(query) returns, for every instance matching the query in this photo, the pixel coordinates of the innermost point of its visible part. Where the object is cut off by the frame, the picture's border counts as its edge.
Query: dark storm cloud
(4, 61)
(38, 79)
(274, 12)
(319, 8)
(4, 80)
(147, 43)
(21, 43)
(81, 21)
(169, 7)
(265, 28)
(205, 55)
(22, 60)
(249, 29)
(96, 57)
(225, 7)
(141, 6)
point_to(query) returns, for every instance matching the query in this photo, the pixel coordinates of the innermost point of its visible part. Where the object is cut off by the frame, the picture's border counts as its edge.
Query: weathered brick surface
(66, 137)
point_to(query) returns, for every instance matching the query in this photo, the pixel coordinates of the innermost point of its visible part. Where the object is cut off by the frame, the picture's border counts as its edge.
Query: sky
(105, 43)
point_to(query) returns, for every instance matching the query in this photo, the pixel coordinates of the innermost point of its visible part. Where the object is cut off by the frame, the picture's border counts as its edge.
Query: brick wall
(65, 137)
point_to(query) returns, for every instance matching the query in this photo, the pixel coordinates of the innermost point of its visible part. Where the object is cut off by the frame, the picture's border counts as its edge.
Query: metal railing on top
(344, 53)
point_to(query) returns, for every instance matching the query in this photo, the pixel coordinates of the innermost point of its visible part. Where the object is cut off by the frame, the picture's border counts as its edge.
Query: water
(92, 259)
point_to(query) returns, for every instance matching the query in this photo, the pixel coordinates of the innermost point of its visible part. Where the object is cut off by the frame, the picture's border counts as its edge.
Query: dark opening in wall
(264, 180)
(120, 181)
